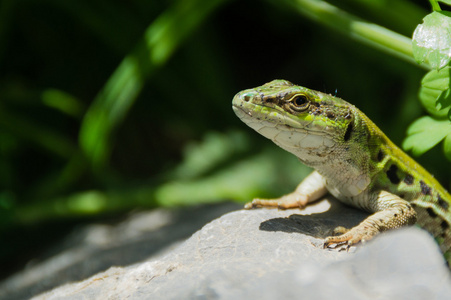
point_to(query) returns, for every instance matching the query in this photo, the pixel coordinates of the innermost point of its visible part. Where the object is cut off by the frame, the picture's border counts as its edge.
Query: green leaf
(445, 1)
(447, 147)
(435, 92)
(215, 149)
(431, 42)
(50, 139)
(63, 102)
(425, 133)
(160, 41)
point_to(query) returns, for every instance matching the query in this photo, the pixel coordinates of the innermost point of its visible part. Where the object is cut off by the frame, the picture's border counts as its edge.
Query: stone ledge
(268, 254)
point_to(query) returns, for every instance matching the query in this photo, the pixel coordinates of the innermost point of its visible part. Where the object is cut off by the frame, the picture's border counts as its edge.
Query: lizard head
(302, 121)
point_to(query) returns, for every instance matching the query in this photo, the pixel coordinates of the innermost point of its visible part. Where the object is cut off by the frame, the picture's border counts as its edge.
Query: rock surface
(269, 254)
(97, 247)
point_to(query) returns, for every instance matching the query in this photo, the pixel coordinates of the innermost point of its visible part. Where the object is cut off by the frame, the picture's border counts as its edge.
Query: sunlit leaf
(435, 92)
(432, 40)
(87, 203)
(425, 133)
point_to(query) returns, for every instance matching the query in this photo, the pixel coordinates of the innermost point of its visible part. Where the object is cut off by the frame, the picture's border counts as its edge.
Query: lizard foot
(349, 237)
(396, 212)
(284, 202)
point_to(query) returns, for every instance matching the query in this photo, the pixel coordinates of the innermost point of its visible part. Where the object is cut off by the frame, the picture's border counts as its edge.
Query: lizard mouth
(252, 115)
(276, 127)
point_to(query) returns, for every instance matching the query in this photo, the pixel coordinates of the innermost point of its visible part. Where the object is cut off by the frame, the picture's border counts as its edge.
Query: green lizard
(353, 160)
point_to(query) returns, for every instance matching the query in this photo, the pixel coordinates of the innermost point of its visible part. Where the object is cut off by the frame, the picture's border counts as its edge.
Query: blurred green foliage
(107, 106)
(431, 43)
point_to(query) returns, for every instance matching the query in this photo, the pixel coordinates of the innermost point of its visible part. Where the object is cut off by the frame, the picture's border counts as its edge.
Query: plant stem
(356, 28)
(435, 5)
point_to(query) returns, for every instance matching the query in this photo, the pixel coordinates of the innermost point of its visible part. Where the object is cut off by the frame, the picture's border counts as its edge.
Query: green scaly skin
(353, 160)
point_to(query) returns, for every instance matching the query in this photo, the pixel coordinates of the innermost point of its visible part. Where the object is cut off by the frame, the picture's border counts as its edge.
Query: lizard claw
(341, 246)
(348, 238)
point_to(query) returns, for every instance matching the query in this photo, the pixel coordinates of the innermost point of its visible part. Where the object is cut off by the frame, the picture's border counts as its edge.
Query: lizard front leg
(391, 212)
(309, 190)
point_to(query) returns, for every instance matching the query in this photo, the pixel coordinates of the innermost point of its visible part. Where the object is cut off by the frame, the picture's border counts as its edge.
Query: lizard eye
(300, 103)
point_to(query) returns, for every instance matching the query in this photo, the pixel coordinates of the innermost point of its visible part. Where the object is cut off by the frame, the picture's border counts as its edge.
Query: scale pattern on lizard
(353, 160)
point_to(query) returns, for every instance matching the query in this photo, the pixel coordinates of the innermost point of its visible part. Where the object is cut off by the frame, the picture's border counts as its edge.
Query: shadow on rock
(318, 225)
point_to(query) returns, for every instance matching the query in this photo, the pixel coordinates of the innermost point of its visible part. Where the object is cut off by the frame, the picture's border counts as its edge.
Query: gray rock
(97, 247)
(268, 254)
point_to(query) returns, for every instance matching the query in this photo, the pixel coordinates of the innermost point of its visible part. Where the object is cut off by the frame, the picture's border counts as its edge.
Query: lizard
(353, 160)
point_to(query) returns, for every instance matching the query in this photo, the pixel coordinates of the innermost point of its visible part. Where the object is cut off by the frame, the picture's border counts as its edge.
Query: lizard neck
(345, 164)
